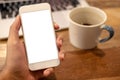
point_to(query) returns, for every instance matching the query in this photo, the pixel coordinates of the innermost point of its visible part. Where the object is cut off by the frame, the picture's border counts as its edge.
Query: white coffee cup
(86, 24)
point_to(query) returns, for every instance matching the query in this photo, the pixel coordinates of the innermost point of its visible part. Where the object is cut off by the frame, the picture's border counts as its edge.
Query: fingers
(59, 45)
(61, 55)
(56, 26)
(48, 71)
(43, 73)
(59, 42)
(59, 39)
(38, 74)
(14, 29)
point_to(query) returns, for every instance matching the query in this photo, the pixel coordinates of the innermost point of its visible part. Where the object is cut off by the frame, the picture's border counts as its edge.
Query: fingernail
(61, 42)
(47, 72)
(56, 26)
(62, 55)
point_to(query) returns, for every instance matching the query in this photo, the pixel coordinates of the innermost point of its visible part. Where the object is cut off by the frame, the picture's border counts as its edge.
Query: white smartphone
(39, 36)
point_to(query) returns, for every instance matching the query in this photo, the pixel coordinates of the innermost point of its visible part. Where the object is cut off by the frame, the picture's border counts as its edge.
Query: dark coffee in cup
(86, 24)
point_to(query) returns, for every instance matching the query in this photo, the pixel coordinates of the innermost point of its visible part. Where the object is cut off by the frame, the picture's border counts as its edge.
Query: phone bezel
(32, 8)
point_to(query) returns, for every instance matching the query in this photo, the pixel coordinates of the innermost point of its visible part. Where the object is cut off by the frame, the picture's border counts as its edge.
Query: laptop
(9, 9)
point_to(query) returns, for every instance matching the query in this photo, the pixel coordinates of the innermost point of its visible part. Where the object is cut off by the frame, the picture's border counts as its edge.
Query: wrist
(4, 75)
(1, 76)
(7, 74)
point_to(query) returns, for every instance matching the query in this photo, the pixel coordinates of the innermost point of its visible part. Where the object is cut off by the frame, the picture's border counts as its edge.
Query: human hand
(16, 65)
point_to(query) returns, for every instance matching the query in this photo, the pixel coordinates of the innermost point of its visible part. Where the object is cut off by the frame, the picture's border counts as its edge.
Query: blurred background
(104, 3)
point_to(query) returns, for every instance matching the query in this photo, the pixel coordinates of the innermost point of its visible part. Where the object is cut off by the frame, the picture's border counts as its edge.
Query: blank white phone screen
(39, 36)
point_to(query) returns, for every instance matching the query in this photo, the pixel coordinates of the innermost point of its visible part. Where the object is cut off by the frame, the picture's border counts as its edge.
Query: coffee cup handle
(111, 33)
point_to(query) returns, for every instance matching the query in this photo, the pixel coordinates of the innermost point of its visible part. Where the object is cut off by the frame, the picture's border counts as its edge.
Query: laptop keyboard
(10, 8)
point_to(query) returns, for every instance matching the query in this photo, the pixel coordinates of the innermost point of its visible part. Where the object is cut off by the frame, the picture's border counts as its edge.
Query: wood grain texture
(100, 63)
(104, 3)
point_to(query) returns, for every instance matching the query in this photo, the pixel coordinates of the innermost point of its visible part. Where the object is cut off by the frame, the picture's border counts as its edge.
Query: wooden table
(101, 62)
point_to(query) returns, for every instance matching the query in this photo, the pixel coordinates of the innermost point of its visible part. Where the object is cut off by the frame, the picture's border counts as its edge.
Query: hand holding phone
(39, 36)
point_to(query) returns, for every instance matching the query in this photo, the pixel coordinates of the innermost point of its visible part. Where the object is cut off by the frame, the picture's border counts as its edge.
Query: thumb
(14, 29)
